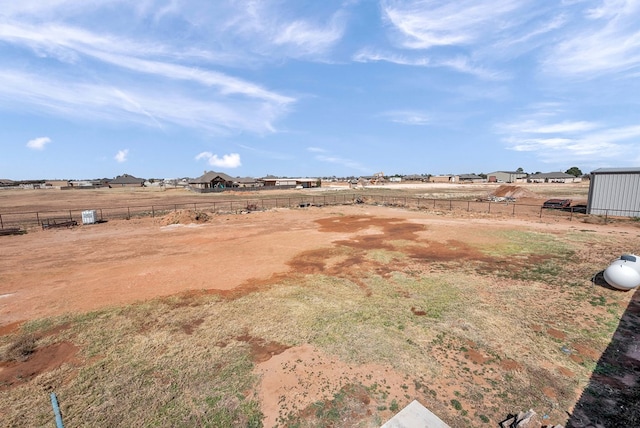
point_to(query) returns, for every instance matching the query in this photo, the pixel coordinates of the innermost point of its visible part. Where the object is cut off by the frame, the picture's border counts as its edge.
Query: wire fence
(26, 220)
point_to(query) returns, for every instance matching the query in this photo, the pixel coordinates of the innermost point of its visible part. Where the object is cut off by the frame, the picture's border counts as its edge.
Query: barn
(615, 192)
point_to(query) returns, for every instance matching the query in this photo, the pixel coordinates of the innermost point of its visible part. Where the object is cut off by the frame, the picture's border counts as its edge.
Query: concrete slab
(415, 415)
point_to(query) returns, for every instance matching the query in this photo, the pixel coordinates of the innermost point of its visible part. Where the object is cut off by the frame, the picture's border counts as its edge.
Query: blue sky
(171, 88)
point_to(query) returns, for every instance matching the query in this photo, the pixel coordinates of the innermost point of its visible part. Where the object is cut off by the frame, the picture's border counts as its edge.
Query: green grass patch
(516, 242)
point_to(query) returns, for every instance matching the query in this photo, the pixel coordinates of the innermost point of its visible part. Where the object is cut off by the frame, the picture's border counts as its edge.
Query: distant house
(57, 183)
(126, 180)
(470, 178)
(83, 184)
(212, 180)
(553, 177)
(247, 182)
(290, 182)
(415, 177)
(506, 176)
(443, 179)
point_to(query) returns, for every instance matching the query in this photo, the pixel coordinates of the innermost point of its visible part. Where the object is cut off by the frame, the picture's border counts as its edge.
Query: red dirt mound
(512, 191)
(184, 217)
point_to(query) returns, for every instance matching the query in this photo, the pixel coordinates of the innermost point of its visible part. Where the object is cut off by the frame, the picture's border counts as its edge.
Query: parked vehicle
(578, 208)
(557, 204)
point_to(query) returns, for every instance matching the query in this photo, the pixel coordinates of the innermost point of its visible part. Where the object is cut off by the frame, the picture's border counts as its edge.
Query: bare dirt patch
(36, 362)
(295, 380)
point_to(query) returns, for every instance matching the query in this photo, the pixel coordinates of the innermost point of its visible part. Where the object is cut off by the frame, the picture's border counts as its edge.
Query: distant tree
(482, 175)
(575, 171)
(519, 170)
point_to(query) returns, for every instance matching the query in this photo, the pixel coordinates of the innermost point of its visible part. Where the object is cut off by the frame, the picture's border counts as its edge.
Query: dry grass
(22, 347)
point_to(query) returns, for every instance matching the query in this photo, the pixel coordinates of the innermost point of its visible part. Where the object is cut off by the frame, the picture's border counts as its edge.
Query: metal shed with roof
(615, 192)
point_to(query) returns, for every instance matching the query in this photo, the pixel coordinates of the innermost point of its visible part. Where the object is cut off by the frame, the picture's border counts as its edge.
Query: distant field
(30, 208)
(13, 200)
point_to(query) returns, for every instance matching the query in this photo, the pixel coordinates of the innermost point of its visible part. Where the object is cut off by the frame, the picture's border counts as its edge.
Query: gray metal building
(505, 176)
(615, 191)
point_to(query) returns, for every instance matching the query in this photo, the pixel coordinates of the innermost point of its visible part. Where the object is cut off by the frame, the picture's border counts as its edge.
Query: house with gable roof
(126, 180)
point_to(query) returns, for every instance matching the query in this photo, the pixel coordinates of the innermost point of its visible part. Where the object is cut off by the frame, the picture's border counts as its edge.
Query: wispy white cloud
(546, 26)
(569, 141)
(69, 43)
(122, 156)
(408, 117)
(342, 161)
(232, 160)
(308, 38)
(369, 55)
(608, 42)
(423, 24)
(458, 63)
(38, 143)
(325, 155)
(535, 127)
(275, 29)
(138, 103)
(101, 75)
(462, 64)
(316, 150)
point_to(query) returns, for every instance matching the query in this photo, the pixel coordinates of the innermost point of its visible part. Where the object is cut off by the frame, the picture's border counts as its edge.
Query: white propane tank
(624, 273)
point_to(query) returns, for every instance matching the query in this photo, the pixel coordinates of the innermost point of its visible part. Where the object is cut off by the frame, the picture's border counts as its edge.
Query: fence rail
(30, 219)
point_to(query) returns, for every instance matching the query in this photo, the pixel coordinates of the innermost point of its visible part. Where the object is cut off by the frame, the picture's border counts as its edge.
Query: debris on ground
(53, 223)
(528, 419)
(12, 231)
